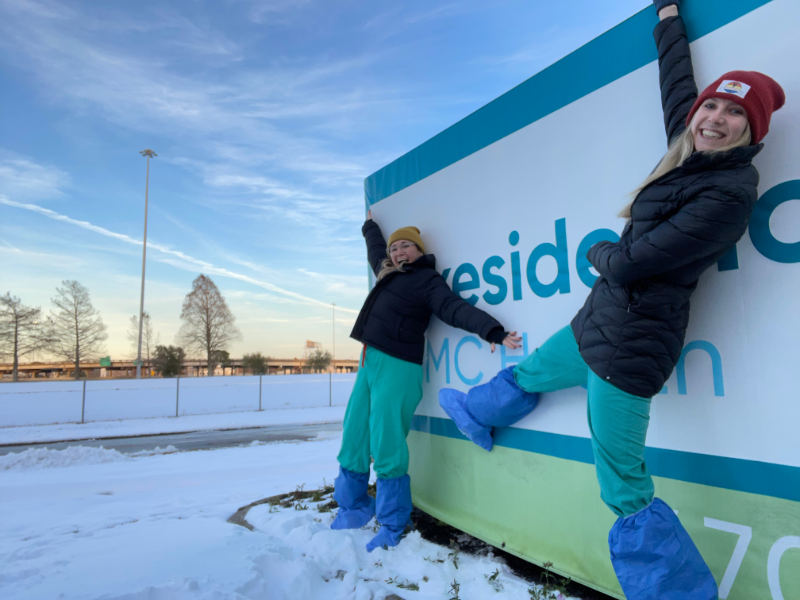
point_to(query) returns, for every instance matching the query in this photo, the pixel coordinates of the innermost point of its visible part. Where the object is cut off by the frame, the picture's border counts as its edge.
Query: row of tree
(74, 331)
(168, 360)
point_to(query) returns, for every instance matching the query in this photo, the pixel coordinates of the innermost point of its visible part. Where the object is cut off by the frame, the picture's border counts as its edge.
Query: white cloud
(340, 203)
(143, 90)
(351, 285)
(260, 135)
(43, 10)
(172, 257)
(38, 259)
(436, 13)
(23, 178)
(273, 11)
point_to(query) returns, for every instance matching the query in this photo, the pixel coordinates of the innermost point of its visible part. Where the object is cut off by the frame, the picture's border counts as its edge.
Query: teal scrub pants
(378, 417)
(617, 420)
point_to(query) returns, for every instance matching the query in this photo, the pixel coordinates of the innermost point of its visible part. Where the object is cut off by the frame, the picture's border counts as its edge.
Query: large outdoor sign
(509, 200)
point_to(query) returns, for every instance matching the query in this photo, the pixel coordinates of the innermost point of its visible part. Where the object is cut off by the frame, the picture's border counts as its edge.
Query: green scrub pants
(617, 420)
(378, 417)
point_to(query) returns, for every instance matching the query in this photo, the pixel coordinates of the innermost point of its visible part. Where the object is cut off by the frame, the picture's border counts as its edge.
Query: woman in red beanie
(626, 340)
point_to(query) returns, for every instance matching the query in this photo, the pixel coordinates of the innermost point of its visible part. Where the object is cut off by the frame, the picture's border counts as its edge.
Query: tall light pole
(333, 304)
(148, 153)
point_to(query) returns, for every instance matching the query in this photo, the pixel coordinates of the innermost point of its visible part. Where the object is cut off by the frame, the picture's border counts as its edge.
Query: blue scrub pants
(617, 420)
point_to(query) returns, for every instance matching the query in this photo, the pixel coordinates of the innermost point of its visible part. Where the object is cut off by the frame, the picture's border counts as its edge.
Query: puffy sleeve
(676, 75)
(376, 244)
(712, 221)
(457, 312)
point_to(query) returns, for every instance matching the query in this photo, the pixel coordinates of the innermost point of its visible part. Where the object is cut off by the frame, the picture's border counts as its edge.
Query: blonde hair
(679, 150)
(387, 266)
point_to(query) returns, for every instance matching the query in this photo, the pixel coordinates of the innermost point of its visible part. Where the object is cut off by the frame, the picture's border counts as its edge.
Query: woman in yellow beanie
(392, 325)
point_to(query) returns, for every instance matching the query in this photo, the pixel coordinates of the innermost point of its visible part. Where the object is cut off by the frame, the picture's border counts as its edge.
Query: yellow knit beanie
(407, 233)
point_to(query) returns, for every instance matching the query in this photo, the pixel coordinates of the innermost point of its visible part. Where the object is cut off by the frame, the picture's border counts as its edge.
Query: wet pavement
(198, 440)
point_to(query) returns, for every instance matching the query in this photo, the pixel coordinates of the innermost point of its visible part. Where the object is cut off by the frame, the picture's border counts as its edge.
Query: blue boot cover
(655, 559)
(500, 402)
(356, 507)
(454, 404)
(394, 511)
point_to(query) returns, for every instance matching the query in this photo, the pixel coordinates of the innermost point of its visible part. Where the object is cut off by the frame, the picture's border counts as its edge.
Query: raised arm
(457, 312)
(676, 75)
(376, 244)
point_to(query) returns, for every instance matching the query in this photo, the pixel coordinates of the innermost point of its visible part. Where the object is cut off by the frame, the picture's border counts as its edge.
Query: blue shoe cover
(356, 507)
(454, 404)
(500, 402)
(394, 511)
(655, 559)
(386, 538)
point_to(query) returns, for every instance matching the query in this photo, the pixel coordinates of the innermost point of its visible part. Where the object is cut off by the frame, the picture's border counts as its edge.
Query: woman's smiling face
(403, 251)
(718, 122)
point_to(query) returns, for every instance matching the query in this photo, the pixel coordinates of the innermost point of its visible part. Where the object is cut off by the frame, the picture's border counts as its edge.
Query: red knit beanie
(758, 94)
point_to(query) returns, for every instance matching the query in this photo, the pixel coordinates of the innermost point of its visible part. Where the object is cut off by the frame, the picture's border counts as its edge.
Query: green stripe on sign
(614, 54)
(547, 509)
(751, 476)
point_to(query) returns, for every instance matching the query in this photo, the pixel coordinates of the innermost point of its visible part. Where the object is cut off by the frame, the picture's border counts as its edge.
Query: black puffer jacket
(397, 311)
(631, 329)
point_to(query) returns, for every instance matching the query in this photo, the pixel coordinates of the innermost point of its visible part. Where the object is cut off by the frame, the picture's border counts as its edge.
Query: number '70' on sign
(745, 534)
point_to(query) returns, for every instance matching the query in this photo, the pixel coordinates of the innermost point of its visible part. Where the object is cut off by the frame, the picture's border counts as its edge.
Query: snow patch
(156, 529)
(42, 458)
(307, 559)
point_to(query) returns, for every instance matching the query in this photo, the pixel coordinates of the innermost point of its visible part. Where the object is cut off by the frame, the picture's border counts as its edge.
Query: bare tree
(150, 338)
(208, 324)
(22, 330)
(318, 360)
(78, 331)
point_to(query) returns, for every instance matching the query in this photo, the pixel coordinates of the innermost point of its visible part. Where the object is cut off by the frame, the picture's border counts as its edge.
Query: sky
(266, 116)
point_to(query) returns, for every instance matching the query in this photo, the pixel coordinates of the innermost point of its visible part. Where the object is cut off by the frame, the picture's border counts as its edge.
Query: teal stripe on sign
(616, 53)
(754, 477)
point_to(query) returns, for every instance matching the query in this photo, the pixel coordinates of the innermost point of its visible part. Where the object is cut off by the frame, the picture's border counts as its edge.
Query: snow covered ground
(29, 403)
(133, 427)
(93, 523)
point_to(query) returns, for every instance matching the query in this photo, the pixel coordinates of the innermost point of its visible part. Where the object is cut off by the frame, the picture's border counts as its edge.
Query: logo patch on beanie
(734, 88)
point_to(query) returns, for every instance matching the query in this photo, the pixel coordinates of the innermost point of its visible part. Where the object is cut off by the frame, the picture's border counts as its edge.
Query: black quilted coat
(397, 311)
(631, 329)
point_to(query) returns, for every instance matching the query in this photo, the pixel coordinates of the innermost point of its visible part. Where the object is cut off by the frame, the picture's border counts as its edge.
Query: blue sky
(266, 116)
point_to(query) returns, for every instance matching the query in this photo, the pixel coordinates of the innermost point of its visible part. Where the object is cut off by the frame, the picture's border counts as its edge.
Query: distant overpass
(191, 368)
